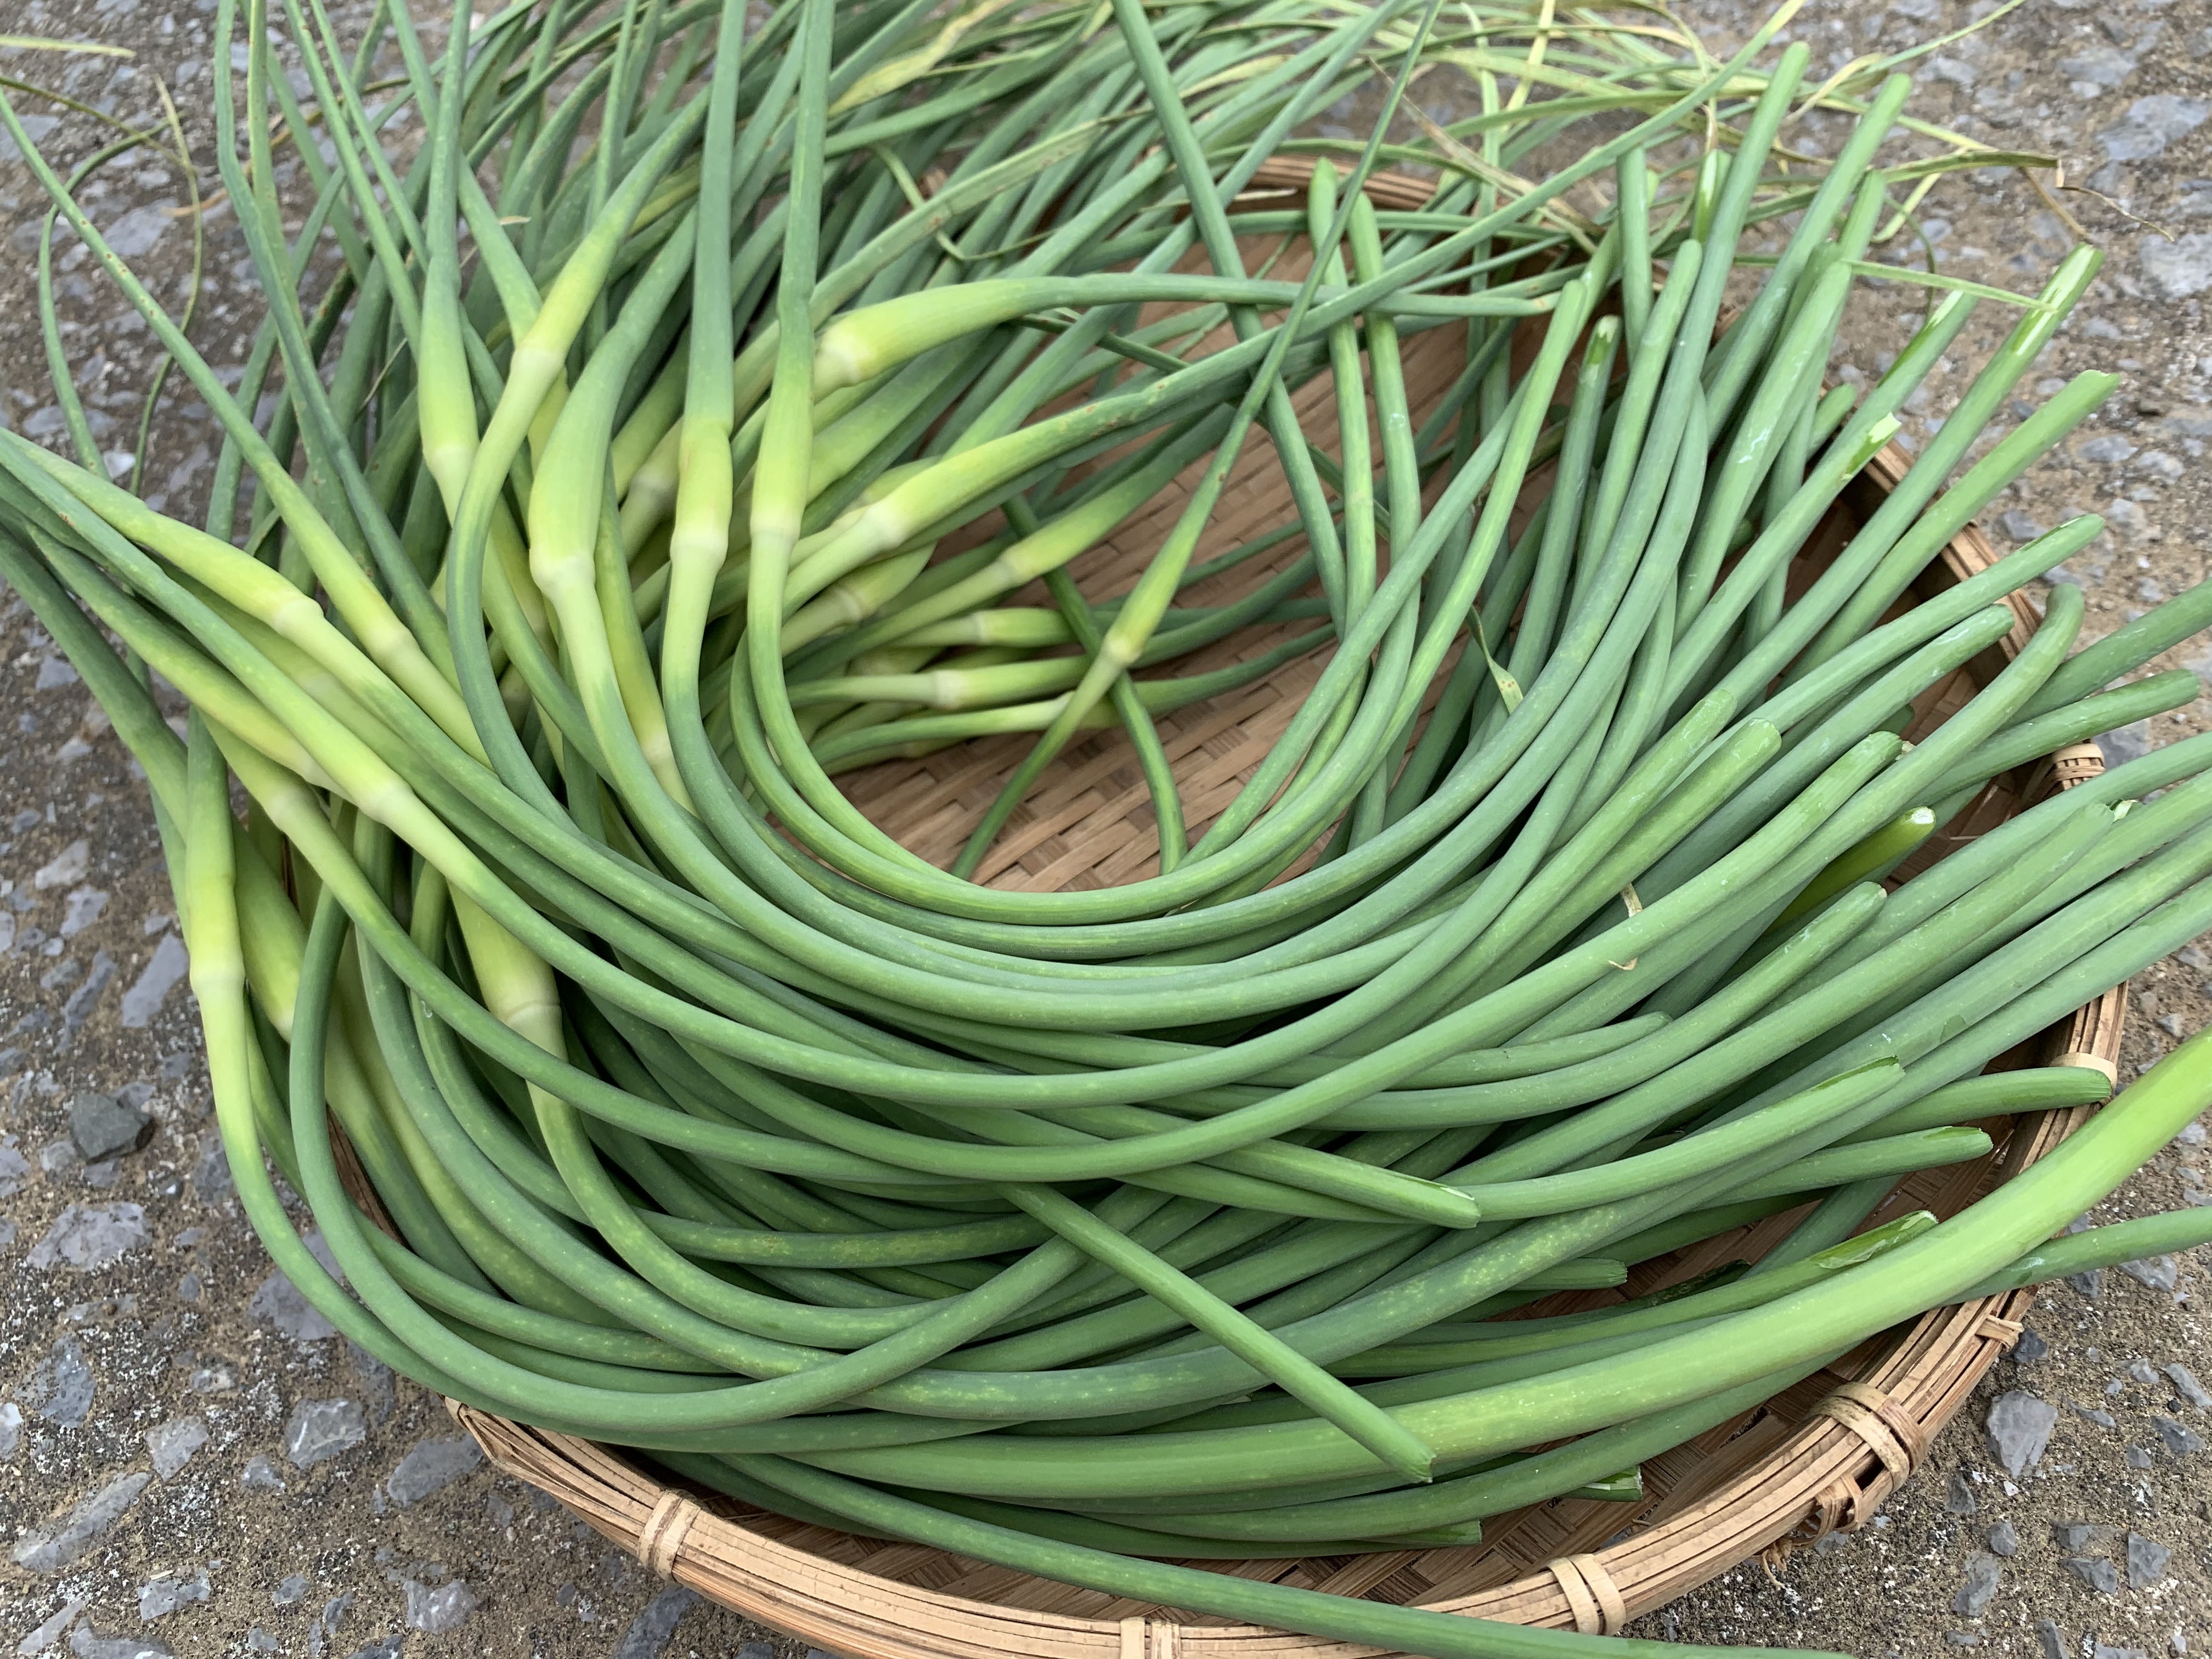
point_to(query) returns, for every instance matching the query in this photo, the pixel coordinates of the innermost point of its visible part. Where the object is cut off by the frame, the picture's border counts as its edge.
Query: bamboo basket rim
(1819, 1459)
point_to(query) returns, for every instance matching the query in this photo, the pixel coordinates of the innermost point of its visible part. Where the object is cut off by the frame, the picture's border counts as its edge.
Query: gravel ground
(191, 1463)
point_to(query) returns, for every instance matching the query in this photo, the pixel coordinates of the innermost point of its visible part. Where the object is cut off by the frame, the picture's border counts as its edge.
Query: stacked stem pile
(696, 409)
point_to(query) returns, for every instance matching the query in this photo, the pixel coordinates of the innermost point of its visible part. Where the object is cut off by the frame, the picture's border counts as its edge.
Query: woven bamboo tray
(1821, 1457)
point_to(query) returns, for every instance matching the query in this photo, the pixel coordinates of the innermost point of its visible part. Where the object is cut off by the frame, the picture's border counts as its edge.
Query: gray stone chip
(173, 1444)
(334, 1612)
(86, 1643)
(46, 1635)
(649, 1635)
(1980, 1587)
(35, 128)
(2079, 1537)
(321, 1429)
(103, 1127)
(133, 235)
(2147, 1560)
(2100, 66)
(164, 1595)
(60, 1388)
(2094, 1571)
(2158, 1273)
(2177, 1437)
(2003, 1540)
(430, 1466)
(260, 1474)
(2180, 267)
(277, 1302)
(445, 1607)
(2150, 126)
(90, 1236)
(2186, 1385)
(211, 1169)
(159, 976)
(53, 1546)
(2018, 1428)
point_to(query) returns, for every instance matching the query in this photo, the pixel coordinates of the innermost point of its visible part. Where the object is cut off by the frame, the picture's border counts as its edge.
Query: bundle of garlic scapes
(762, 434)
